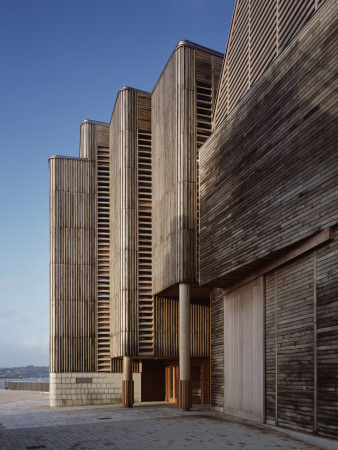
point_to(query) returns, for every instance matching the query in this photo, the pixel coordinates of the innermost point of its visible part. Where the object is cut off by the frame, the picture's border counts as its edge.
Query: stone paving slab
(194, 432)
(32, 424)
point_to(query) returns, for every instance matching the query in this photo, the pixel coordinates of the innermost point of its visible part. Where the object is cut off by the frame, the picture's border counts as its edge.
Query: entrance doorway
(171, 383)
(199, 376)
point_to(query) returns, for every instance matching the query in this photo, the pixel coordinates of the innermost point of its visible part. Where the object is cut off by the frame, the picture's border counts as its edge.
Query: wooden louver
(146, 307)
(103, 260)
(260, 32)
(203, 131)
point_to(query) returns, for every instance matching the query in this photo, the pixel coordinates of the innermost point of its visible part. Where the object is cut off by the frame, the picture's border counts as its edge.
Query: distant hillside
(24, 372)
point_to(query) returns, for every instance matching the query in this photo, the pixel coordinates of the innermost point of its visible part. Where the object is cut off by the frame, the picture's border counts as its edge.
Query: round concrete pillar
(184, 397)
(127, 383)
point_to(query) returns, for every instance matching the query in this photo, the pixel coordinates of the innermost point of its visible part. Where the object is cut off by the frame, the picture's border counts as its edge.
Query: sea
(3, 381)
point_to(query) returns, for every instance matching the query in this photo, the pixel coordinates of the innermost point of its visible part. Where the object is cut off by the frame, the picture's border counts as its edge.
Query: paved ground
(27, 422)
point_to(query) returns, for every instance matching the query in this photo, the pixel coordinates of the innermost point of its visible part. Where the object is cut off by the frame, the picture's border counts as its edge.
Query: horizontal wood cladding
(72, 266)
(217, 347)
(302, 342)
(166, 312)
(131, 118)
(292, 302)
(174, 146)
(260, 32)
(327, 338)
(269, 172)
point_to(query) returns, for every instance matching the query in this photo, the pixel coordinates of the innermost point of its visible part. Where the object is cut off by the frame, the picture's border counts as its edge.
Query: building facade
(120, 319)
(268, 234)
(193, 249)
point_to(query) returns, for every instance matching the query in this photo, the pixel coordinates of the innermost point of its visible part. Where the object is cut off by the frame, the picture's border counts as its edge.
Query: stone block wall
(80, 389)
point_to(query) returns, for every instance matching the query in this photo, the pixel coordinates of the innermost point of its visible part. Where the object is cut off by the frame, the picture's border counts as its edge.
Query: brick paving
(32, 424)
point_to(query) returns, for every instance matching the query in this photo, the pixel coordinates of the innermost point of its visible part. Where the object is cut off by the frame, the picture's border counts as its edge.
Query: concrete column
(184, 398)
(127, 383)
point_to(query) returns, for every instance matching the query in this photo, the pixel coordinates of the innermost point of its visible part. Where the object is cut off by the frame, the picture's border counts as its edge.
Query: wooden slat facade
(130, 153)
(244, 351)
(78, 325)
(217, 348)
(94, 145)
(302, 344)
(290, 344)
(103, 258)
(72, 266)
(166, 328)
(182, 102)
(144, 217)
(278, 151)
(260, 32)
(327, 338)
(268, 192)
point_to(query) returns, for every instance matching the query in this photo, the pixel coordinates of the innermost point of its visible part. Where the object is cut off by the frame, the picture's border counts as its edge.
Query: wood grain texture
(129, 129)
(327, 338)
(72, 265)
(244, 351)
(174, 140)
(278, 151)
(301, 342)
(260, 32)
(166, 312)
(217, 347)
(78, 300)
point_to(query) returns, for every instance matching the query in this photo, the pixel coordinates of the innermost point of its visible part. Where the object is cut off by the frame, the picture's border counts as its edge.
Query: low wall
(41, 386)
(79, 389)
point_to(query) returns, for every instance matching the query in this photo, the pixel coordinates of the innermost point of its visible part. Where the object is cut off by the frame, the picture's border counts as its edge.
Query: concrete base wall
(80, 389)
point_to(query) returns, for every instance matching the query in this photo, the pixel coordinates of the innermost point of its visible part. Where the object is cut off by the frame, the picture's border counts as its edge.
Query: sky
(62, 62)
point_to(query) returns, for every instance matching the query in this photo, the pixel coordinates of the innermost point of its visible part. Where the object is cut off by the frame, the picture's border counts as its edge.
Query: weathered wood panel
(295, 346)
(327, 338)
(144, 231)
(94, 145)
(244, 351)
(260, 32)
(269, 173)
(174, 141)
(217, 348)
(302, 342)
(166, 312)
(72, 265)
(103, 234)
(130, 201)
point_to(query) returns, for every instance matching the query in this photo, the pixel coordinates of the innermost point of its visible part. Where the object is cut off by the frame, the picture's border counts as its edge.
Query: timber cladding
(217, 348)
(260, 32)
(72, 266)
(166, 327)
(174, 144)
(77, 324)
(302, 342)
(244, 351)
(130, 194)
(269, 172)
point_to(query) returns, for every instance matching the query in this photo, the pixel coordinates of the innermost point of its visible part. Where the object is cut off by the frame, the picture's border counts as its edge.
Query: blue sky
(62, 62)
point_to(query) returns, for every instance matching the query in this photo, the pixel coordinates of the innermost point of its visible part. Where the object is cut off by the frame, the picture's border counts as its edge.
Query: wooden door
(171, 383)
(244, 351)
